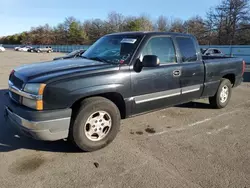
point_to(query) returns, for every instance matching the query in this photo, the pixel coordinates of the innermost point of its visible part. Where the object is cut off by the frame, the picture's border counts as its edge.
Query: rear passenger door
(192, 68)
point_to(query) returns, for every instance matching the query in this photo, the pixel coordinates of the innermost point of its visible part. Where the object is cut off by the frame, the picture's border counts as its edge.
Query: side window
(187, 49)
(216, 51)
(162, 47)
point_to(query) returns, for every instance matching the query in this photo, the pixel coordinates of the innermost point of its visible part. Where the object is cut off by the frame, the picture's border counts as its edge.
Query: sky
(20, 15)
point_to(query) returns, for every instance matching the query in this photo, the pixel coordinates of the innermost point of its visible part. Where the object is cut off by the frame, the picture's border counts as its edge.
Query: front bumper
(47, 125)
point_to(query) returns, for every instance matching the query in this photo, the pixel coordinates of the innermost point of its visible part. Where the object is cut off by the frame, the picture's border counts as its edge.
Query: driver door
(157, 87)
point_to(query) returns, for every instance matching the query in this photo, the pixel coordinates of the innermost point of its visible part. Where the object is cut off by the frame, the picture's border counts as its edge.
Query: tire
(80, 130)
(221, 102)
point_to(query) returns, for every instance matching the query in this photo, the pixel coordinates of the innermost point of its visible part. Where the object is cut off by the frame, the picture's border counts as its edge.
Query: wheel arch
(113, 96)
(230, 77)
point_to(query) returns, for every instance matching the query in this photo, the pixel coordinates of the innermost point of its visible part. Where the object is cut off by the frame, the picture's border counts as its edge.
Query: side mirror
(150, 61)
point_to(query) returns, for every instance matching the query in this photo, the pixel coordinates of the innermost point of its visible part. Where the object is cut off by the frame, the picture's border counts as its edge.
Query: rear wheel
(96, 124)
(223, 95)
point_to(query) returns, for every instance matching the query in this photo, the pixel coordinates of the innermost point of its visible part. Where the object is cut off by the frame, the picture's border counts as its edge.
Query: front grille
(14, 96)
(17, 82)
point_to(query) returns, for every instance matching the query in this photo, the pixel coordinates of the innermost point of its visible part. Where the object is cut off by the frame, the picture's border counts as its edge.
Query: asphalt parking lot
(190, 145)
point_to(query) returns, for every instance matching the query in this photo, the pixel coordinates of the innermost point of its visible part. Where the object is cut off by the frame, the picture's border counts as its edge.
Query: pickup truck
(121, 75)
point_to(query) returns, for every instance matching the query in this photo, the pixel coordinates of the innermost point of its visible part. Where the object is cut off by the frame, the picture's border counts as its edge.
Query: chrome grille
(17, 82)
(14, 97)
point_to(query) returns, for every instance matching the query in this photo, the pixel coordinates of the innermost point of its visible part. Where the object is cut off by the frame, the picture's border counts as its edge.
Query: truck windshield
(113, 49)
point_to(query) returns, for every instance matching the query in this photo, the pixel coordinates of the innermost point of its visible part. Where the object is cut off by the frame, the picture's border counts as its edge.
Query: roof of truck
(150, 33)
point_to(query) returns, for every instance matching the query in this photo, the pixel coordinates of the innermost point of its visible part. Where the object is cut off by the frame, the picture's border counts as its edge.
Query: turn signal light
(39, 105)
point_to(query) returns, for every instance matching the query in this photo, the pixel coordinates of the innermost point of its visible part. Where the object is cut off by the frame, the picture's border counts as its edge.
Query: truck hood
(59, 67)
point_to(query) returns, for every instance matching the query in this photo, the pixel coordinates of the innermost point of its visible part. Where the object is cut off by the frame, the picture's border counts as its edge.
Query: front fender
(60, 97)
(94, 90)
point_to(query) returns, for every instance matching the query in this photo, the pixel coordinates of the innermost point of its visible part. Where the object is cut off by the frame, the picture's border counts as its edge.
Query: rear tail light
(243, 67)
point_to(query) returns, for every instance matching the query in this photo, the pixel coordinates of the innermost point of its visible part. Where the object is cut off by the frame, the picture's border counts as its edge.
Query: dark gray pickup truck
(119, 76)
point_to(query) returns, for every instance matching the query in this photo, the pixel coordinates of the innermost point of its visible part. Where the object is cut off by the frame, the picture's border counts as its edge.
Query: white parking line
(195, 123)
(218, 130)
(199, 122)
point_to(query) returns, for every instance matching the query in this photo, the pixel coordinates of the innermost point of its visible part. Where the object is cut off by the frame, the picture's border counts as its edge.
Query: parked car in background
(73, 54)
(17, 47)
(32, 49)
(212, 52)
(2, 49)
(23, 49)
(47, 49)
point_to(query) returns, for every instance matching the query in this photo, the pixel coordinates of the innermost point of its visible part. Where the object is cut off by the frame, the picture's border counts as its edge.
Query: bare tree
(115, 22)
(197, 27)
(226, 18)
(177, 25)
(145, 23)
(162, 23)
(94, 29)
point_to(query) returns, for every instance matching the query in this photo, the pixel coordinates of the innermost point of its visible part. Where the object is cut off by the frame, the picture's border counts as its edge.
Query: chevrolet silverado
(121, 75)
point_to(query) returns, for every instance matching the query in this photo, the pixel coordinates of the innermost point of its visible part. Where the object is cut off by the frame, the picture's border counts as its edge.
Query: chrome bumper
(49, 130)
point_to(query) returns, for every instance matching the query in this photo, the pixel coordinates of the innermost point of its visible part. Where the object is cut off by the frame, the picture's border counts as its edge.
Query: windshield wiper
(83, 57)
(99, 59)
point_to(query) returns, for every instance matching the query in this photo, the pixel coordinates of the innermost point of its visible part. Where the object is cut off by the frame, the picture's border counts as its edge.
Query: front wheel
(96, 124)
(223, 95)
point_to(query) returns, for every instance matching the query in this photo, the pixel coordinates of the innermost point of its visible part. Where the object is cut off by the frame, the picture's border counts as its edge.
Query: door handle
(177, 73)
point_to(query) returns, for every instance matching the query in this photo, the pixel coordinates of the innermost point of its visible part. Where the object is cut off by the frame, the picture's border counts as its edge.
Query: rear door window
(187, 49)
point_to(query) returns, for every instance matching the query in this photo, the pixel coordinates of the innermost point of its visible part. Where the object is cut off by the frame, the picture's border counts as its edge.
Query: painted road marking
(218, 130)
(195, 123)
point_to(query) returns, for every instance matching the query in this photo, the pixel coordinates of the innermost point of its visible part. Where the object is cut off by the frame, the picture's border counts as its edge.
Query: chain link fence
(242, 51)
(56, 48)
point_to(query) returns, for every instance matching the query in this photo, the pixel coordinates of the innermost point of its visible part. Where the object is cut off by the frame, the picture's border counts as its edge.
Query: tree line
(225, 24)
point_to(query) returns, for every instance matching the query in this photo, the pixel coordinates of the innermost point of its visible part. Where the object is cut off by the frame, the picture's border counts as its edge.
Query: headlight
(37, 90)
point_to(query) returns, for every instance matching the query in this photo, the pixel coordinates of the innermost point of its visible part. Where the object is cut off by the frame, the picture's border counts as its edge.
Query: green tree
(76, 34)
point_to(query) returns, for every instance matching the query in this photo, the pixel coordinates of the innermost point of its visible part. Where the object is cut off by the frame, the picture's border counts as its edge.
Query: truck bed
(217, 67)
